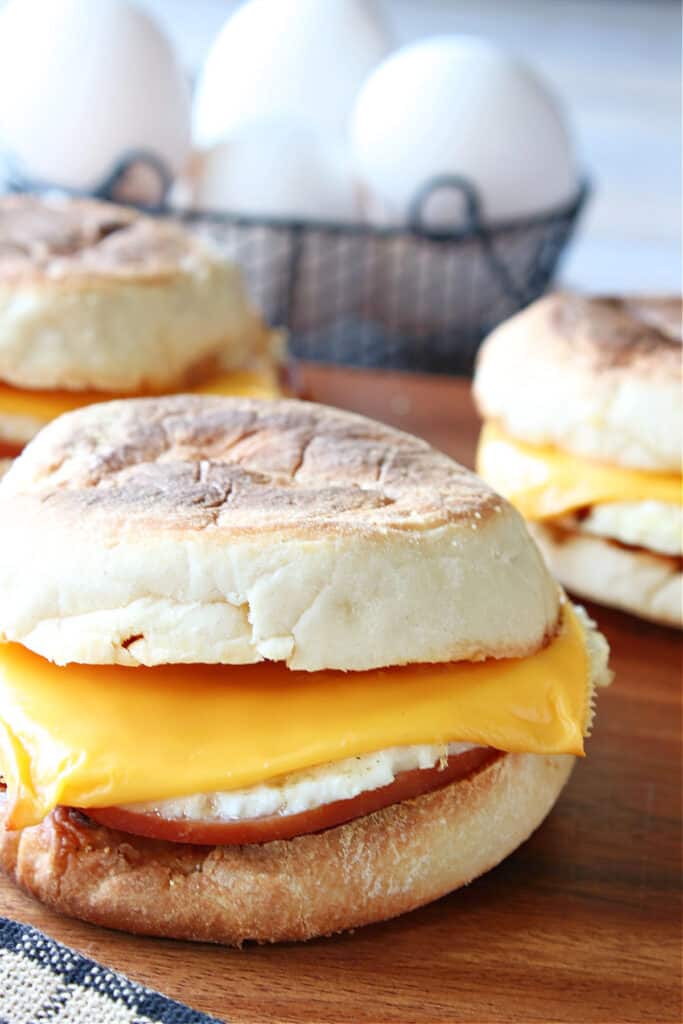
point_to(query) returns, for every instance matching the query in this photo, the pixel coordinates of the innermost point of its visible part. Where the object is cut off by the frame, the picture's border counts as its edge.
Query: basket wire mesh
(409, 297)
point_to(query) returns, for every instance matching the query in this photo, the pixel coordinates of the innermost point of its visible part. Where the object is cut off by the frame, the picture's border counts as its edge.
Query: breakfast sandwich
(582, 407)
(276, 670)
(99, 301)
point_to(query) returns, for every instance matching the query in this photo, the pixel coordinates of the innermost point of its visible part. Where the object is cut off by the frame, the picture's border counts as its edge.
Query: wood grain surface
(581, 924)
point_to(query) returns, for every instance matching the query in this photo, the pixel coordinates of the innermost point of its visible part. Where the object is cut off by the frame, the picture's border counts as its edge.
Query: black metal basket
(411, 297)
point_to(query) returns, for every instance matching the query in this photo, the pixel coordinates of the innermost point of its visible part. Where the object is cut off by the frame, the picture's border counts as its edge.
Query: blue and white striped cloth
(42, 981)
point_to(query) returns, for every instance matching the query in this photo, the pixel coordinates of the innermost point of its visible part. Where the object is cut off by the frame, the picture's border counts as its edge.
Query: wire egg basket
(410, 297)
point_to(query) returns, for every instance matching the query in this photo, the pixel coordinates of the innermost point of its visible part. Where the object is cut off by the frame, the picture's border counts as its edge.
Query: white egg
(279, 167)
(458, 105)
(283, 169)
(301, 58)
(82, 82)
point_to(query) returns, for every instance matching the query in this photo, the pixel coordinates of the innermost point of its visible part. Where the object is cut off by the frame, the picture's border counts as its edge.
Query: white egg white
(303, 790)
(654, 525)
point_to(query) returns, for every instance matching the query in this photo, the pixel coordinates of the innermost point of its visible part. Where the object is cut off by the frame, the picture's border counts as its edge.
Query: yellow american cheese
(261, 382)
(255, 383)
(543, 482)
(89, 736)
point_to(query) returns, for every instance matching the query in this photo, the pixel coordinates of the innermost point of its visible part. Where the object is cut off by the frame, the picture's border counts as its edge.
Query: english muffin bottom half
(99, 301)
(276, 670)
(583, 418)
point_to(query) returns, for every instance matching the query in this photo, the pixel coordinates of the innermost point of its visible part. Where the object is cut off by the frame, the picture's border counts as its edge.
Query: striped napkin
(41, 980)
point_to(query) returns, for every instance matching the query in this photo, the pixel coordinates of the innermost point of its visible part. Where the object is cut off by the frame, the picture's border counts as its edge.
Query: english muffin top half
(597, 377)
(192, 529)
(99, 297)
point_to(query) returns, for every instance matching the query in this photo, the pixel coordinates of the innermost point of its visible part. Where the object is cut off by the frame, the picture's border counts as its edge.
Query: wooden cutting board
(581, 924)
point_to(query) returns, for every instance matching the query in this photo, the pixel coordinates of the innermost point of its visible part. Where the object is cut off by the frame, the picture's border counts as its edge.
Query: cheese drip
(544, 482)
(43, 406)
(97, 736)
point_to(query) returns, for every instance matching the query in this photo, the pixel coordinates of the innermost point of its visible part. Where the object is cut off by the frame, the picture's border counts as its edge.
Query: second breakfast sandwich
(100, 301)
(583, 407)
(270, 670)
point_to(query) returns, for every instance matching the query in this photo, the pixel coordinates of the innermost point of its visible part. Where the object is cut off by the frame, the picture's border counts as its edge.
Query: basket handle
(18, 181)
(473, 225)
(107, 187)
(439, 183)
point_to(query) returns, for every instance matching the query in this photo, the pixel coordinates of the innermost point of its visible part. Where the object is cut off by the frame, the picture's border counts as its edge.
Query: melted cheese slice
(543, 482)
(258, 382)
(89, 736)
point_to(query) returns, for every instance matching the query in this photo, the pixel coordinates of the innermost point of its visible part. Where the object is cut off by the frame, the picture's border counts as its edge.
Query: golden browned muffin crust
(368, 870)
(243, 465)
(637, 334)
(78, 238)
